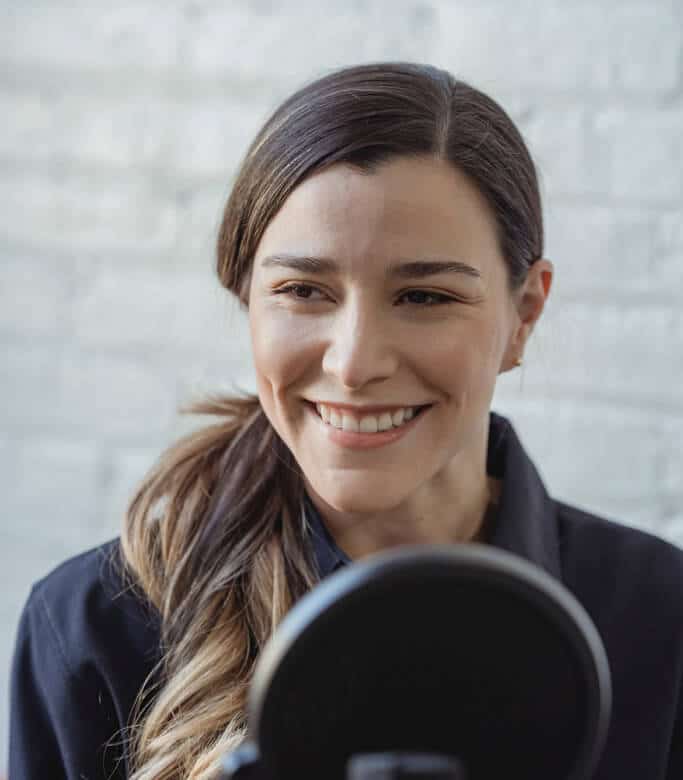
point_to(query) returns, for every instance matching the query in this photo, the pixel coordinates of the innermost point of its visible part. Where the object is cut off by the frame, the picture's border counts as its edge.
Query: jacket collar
(524, 522)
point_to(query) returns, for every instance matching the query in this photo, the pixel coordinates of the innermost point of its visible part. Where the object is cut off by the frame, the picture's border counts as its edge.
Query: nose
(361, 348)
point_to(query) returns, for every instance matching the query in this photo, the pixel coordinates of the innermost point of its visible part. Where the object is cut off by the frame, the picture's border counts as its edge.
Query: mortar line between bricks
(578, 396)
(623, 299)
(176, 85)
(646, 411)
(168, 182)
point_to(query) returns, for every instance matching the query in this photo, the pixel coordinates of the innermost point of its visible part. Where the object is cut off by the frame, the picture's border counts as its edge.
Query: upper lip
(368, 408)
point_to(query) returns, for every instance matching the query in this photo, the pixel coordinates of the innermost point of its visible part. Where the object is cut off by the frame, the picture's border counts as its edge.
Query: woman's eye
(425, 298)
(300, 292)
(306, 292)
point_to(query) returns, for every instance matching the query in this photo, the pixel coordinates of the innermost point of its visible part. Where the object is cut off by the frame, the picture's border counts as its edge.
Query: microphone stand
(397, 766)
(244, 764)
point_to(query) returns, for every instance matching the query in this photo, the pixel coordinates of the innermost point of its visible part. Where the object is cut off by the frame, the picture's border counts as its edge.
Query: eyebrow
(412, 269)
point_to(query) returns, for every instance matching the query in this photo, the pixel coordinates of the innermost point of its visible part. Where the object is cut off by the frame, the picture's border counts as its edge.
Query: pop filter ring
(482, 564)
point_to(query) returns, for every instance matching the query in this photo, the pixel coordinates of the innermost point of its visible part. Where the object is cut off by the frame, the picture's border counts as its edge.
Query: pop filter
(463, 651)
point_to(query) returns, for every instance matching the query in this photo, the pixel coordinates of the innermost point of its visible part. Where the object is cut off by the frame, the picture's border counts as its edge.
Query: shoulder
(78, 577)
(85, 647)
(89, 611)
(600, 538)
(612, 564)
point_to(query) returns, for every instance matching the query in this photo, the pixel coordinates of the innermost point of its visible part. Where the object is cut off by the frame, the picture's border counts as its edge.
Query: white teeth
(349, 424)
(368, 423)
(385, 422)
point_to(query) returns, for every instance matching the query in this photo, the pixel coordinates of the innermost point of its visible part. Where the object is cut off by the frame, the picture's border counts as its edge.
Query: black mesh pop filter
(464, 651)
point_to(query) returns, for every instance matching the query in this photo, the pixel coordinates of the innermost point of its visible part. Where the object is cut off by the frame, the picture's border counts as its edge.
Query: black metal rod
(405, 766)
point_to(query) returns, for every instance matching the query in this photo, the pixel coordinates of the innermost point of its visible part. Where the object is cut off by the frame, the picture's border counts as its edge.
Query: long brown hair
(215, 537)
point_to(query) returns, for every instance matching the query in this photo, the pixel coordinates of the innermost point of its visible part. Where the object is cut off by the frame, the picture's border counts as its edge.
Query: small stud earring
(518, 362)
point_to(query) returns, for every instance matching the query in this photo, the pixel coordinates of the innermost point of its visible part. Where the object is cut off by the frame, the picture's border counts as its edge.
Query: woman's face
(381, 295)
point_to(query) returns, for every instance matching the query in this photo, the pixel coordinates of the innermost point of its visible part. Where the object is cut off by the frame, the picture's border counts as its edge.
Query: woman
(385, 235)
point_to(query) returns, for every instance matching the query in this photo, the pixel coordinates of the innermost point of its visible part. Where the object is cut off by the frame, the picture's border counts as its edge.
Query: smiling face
(372, 293)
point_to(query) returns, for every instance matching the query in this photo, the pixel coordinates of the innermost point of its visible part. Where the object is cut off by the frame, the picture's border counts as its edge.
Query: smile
(366, 431)
(345, 420)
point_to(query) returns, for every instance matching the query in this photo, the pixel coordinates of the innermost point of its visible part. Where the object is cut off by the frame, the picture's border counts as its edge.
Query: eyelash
(439, 299)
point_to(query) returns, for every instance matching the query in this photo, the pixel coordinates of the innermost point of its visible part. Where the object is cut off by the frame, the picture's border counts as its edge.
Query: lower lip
(365, 441)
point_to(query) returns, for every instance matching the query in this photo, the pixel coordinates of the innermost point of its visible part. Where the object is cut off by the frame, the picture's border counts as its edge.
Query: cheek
(467, 363)
(283, 349)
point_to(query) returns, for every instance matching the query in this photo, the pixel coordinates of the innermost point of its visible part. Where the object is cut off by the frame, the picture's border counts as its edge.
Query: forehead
(407, 207)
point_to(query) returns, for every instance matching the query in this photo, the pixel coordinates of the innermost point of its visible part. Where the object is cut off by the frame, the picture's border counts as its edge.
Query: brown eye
(426, 298)
(302, 291)
(299, 292)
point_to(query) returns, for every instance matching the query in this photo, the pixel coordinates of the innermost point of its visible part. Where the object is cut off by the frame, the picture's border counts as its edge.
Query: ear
(528, 303)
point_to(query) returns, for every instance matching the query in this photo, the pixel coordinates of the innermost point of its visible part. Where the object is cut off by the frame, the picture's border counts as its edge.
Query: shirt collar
(524, 522)
(327, 554)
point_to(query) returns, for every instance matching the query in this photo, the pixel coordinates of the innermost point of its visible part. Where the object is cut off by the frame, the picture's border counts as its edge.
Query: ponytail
(215, 539)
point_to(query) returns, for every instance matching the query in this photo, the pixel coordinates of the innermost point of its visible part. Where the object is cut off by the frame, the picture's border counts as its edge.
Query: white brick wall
(122, 125)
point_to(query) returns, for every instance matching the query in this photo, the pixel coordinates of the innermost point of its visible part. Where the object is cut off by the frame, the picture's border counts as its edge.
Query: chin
(360, 499)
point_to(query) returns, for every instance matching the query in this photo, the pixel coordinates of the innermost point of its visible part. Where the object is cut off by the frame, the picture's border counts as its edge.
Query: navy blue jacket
(85, 645)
